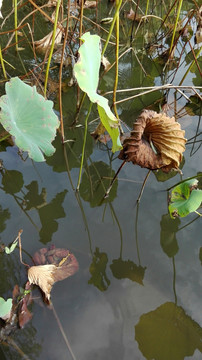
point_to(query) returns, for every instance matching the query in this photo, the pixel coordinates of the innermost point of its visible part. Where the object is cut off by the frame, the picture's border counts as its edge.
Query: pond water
(137, 294)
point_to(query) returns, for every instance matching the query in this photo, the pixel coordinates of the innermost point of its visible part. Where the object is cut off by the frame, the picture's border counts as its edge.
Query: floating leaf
(12, 181)
(9, 250)
(184, 199)
(58, 264)
(5, 308)
(86, 71)
(156, 141)
(30, 118)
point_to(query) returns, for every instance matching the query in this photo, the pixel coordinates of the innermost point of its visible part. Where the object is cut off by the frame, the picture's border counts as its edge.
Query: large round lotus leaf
(168, 333)
(30, 118)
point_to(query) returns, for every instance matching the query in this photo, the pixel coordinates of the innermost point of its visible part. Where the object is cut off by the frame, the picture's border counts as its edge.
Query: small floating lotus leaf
(185, 198)
(30, 118)
(156, 142)
(54, 264)
(5, 308)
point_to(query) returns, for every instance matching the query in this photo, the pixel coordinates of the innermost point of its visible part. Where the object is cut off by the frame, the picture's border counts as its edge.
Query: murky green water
(137, 294)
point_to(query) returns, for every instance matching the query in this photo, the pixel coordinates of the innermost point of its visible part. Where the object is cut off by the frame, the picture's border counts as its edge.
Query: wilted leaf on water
(127, 269)
(132, 16)
(21, 299)
(45, 43)
(185, 198)
(58, 264)
(30, 118)
(168, 333)
(5, 308)
(156, 141)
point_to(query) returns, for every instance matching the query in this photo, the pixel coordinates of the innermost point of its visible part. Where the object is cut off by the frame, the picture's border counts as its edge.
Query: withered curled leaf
(156, 142)
(52, 265)
(45, 43)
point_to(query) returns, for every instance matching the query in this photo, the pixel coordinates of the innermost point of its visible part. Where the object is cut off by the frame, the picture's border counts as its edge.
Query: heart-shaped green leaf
(86, 71)
(184, 200)
(5, 307)
(30, 118)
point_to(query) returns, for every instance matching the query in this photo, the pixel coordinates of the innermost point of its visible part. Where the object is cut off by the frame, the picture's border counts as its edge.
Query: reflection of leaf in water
(127, 270)
(168, 333)
(4, 215)
(98, 271)
(73, 148)
(193, 107)
(162, 176)
(93, 185)
(200, 254)
(12, 181)
(33, 199)
(48, 214)
(169, 227)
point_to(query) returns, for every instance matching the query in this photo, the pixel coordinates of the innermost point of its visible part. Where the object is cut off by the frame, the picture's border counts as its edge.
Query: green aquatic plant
(30, 118)
(5, 307)
(86, 71)
(185, 198)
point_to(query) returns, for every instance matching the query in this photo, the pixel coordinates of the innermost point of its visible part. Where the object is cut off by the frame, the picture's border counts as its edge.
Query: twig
(114, 178)
(143, 186)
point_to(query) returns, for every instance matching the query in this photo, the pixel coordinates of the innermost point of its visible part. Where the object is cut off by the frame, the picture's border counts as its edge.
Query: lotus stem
(84, 144)
(147, 7)
(116, 61)
(113, 180)
(52, 46)
(16, 23)
(2, 64)
(175, 26)
(190, 66)
(111, 27)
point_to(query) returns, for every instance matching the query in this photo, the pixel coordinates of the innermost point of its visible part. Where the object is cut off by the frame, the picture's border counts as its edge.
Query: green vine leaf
(185, 198)
(30, 118)
(86, 71)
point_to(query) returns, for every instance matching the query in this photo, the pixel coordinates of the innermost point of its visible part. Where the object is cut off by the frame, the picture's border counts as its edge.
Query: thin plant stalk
(81, 22)
(16, 23)
(116, 61)
(60, 73)
(111, 27)
(84, 144)
(113, 180)
(190, 66)
(143, 186)
(52, 46)
(2, 64)
(175, 26)
(147, 7)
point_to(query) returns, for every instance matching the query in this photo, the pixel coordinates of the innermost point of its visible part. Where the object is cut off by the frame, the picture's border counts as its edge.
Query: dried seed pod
(156, 142)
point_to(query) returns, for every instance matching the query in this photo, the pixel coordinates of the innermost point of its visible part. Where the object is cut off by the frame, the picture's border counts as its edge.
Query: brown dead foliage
(52, 265)
(156, 142)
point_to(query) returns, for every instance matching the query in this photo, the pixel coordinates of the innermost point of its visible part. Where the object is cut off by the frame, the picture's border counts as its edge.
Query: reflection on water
(145, 277)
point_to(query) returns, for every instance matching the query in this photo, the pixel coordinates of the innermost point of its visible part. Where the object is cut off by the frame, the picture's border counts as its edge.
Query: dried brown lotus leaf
(53, 264)
(45, 43)
(43, 276)
(166, 136)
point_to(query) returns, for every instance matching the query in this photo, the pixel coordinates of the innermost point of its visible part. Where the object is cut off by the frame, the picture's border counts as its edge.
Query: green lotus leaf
(5, 307)
(30, 118)
(184, 200)
(86, 71)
